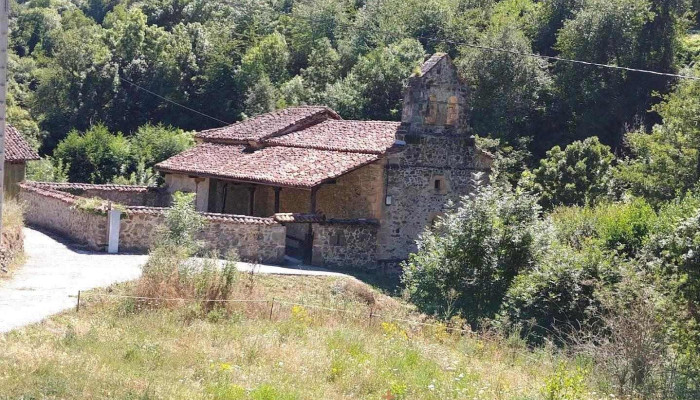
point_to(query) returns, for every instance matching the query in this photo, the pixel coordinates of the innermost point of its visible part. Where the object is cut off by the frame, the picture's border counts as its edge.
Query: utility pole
(4, 34)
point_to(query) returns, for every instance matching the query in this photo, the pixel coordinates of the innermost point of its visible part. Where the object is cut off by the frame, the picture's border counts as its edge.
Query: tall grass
(12, 214)
(173, 273)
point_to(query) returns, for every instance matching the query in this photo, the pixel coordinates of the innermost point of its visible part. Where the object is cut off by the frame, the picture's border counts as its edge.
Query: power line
(525, 54)
(572, 61)
(174, 102)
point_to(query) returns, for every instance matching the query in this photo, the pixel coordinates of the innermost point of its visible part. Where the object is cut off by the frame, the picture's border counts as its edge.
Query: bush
(182, 224)
(97, 156)
(622, 227)
(577, 175)
(47, 169)
(155, 143)
(558, 296)
(467, 262)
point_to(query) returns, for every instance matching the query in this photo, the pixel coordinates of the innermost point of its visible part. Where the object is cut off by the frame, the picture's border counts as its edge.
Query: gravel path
(54, 272)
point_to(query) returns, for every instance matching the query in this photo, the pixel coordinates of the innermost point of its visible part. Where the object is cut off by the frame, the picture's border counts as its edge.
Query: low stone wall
(122, 194)
(345, 244)
(255, 239)
(56, 211)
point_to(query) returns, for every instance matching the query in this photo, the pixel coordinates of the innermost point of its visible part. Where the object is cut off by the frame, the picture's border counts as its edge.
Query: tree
(577, 175)
(155, 143)
(632, 33)
(97, 156)
(509, 90)
(665, 163)
(377, 80)
(467, 262)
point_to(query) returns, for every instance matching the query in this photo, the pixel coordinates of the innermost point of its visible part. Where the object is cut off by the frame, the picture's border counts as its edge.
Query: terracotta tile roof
(16, 148)
(90, 186)
(214, 217)
(276, 165)
(374, 137)
(47, 192)
(268, 125)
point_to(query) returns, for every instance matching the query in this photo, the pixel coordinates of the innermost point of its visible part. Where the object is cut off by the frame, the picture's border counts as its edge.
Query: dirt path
(54, 272)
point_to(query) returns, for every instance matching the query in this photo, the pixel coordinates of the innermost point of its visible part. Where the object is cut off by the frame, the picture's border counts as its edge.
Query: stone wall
(57, 212)
(345, 244)
(435, 166)
(255, 239)
(357, 194)
(122, 194)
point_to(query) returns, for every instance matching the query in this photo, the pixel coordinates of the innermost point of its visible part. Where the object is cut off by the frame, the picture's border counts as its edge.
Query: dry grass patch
(117, 348)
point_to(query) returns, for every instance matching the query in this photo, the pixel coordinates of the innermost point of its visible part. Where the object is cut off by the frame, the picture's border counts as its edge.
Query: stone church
(350, 193)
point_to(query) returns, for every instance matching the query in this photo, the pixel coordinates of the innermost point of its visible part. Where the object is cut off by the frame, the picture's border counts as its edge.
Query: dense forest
(77, 64)
(589, 235)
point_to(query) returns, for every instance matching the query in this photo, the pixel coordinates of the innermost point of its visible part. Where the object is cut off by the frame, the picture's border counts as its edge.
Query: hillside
(112, 350)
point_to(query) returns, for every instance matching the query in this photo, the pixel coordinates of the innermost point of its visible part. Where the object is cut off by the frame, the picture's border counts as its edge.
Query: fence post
(77, 306)
(272, 305)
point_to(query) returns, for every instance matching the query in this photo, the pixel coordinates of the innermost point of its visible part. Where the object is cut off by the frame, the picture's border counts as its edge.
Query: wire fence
(370, 315)
(371, 312)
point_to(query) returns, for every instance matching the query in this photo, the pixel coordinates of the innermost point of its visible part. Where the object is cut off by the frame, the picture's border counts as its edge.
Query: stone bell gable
(438, 159)
(436, 100)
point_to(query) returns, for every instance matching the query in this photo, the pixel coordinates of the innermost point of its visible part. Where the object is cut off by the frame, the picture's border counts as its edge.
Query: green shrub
(622, 227)
(578, 175)
(558, 295)
(171, 271)
(467, 262)
(97, 156)
(182, 224)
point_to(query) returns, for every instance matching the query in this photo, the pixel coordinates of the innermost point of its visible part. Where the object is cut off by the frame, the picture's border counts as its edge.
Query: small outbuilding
(17, 153)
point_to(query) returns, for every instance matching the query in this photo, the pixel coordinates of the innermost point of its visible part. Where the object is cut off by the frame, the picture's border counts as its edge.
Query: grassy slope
(111, 350)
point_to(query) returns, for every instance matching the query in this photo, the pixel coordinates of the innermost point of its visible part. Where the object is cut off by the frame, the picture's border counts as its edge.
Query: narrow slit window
(438, 185)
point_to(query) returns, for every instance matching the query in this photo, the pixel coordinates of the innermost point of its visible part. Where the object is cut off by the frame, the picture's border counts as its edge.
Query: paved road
(54, 271)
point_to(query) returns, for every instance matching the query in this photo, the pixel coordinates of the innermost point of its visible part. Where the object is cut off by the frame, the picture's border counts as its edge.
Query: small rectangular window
(438, 184)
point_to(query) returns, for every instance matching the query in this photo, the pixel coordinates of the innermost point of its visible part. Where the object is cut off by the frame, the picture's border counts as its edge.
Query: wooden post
(277, 199)
(272, 305)
(4, 33)
(313, 200)
(251, 203)
(77, 306)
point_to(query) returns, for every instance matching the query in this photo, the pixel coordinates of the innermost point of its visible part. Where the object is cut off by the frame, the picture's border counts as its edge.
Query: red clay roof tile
(374, 137)
(283, 166)
(16, 148)
(268, 125)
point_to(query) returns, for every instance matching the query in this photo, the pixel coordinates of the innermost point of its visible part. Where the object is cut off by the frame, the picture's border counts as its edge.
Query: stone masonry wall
(122, 194)
(56, 212)
(345, 244)
(255, 239)
(435, 151)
